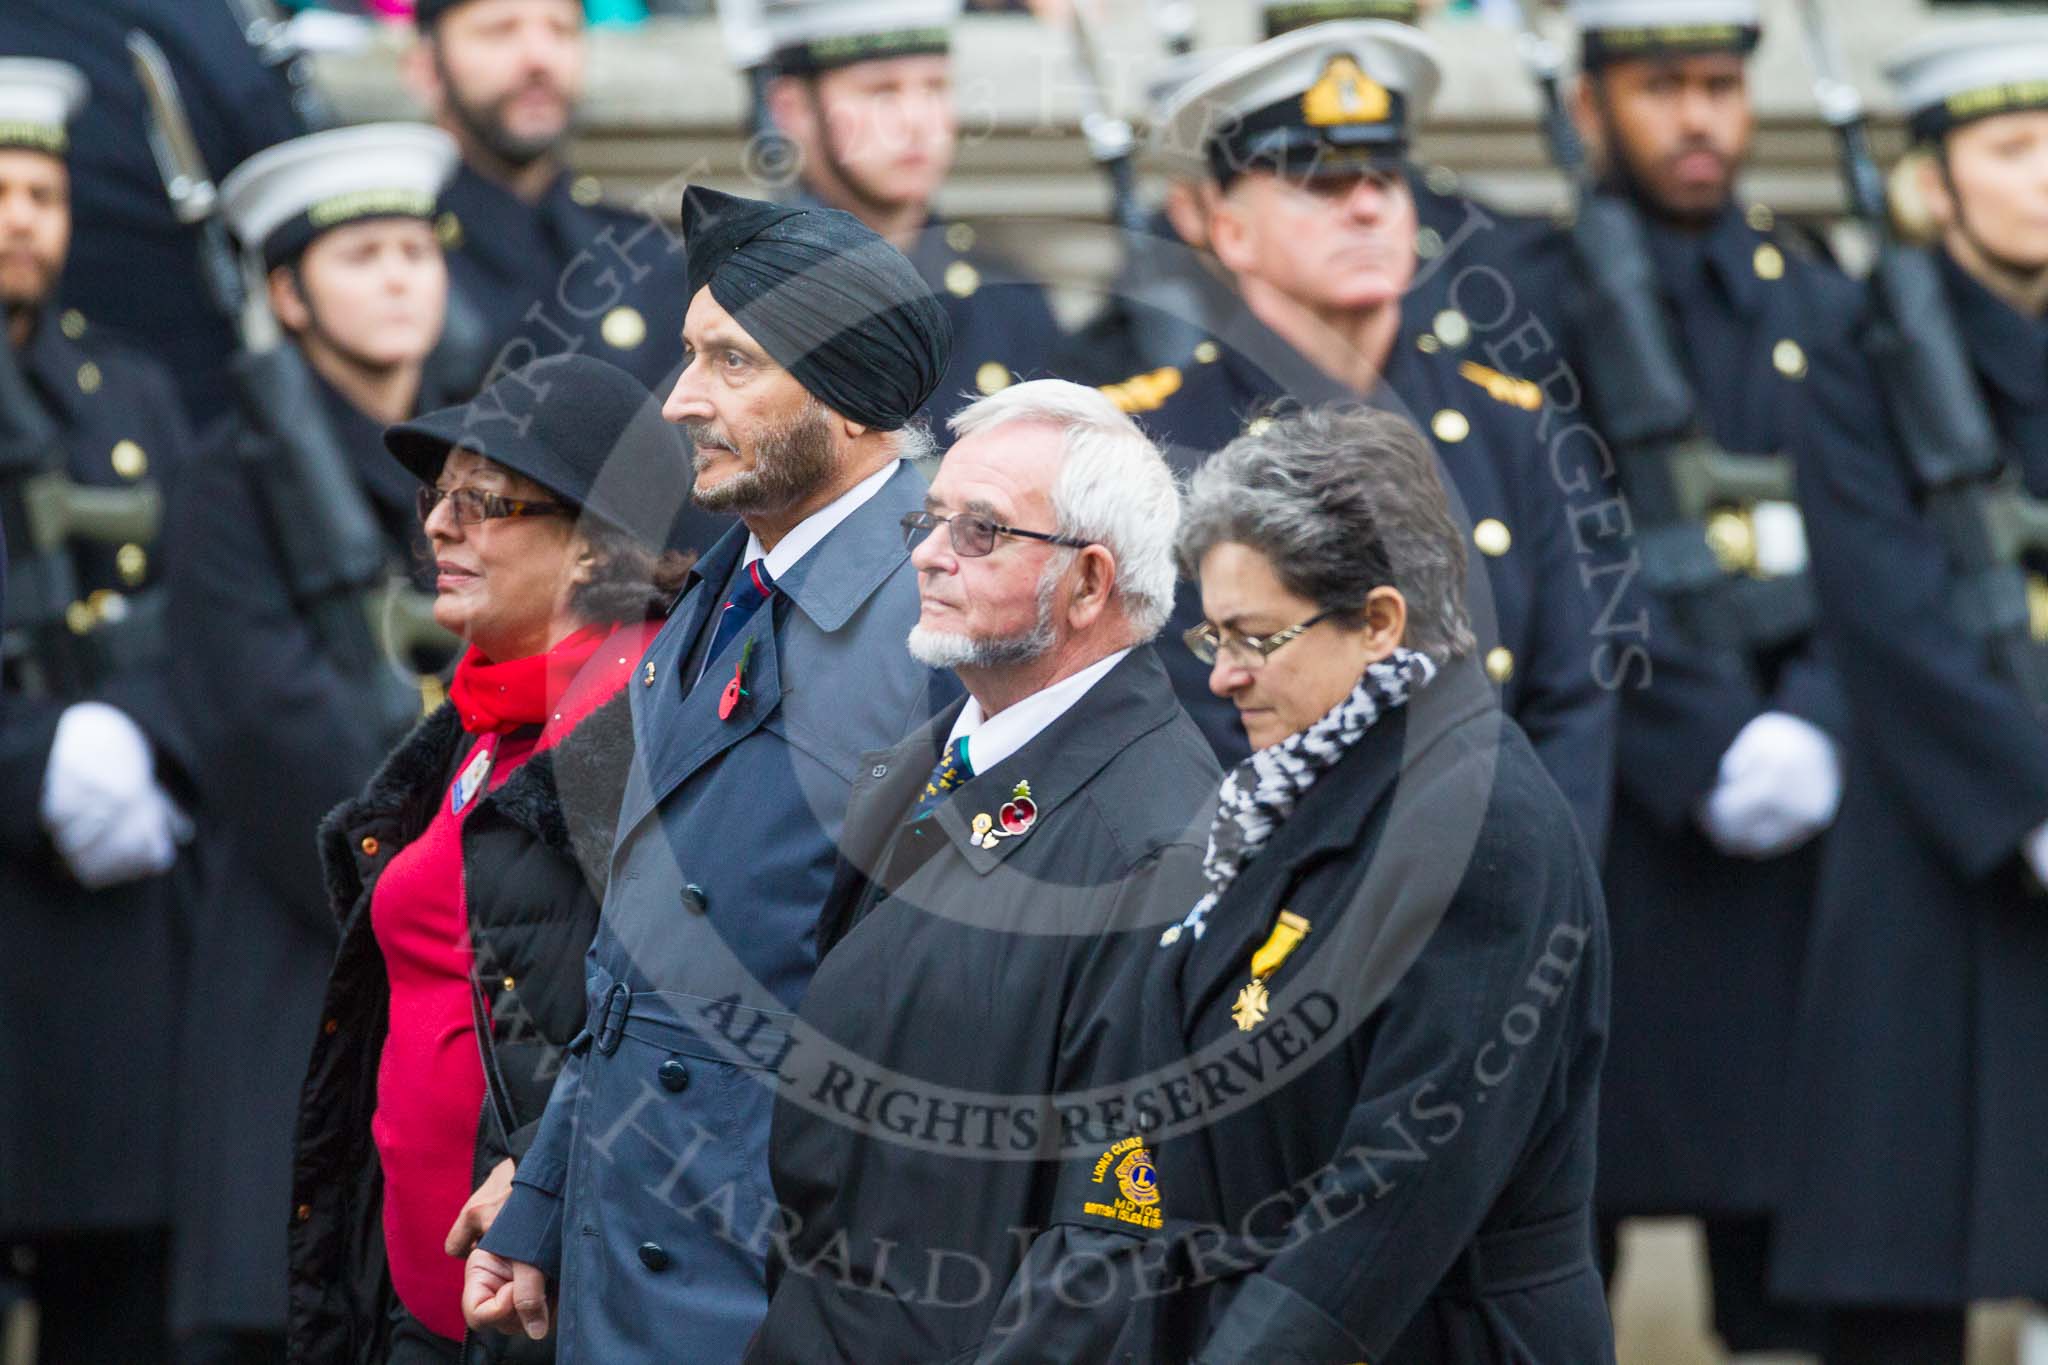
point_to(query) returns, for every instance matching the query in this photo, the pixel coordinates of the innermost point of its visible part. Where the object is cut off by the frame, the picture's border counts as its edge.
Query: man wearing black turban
(809, 346)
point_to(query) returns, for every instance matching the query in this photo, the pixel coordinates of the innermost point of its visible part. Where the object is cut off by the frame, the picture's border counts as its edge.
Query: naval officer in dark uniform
(1723, 792)
(1916, 1184)
(282, 712)
(93, 771)
(1311, 213)
(864, 91)
(532, 246)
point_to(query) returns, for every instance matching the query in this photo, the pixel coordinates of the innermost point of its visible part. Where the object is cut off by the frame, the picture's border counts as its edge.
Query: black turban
(831, 301)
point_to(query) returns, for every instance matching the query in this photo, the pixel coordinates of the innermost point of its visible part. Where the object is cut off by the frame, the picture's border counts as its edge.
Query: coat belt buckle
(611, 1019)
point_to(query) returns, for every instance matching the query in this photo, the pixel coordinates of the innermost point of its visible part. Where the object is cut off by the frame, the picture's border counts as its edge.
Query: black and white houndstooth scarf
(1263, 791)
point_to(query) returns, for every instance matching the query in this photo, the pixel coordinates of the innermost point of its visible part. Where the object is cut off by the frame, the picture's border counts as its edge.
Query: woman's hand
(481, 1211)
(508, 1296)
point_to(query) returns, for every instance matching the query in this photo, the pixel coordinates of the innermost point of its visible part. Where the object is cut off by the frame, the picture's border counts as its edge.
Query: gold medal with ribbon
(1252, 1002)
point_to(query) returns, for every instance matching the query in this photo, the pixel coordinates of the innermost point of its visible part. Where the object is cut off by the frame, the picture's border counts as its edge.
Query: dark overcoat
(1916, 1175)
(975, 977)
(1692, 1105)
(1393, 1160)
(277, 728)
(646, 1190)
(86, 1090)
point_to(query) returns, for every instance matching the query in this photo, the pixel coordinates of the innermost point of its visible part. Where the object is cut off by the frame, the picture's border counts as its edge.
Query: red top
(430, 1085)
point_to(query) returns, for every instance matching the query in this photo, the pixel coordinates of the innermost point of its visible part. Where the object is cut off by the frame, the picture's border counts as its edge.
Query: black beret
(583, 429)
(832, 302)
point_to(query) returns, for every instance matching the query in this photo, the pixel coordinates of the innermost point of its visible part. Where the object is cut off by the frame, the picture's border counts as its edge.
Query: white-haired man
(995, 871)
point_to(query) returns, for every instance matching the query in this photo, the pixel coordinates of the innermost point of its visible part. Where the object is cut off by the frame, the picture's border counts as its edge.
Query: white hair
(1113, 487)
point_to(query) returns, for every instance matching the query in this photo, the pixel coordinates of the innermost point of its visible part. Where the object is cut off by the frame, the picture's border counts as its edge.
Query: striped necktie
(755, 586)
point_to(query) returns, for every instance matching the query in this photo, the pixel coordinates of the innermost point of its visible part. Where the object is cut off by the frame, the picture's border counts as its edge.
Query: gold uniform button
(1428, 344)
(1441, 180)
(1493, 538)
(993, 377)
(1760, 217)
(586, 190)
(448, 231)
(370, 846)
(1790, 359)
(1451, 426)
(962, 280)
(960, 237)
(129, 460)
(1731, 535)
(1452, 328)
(1207, 353)
(132, 562)
(510, 982)
(89, 378)
(1769, 262)
(1500, 666)
(71, 323)
(623, 328)
(79, 618)
(1429, 243)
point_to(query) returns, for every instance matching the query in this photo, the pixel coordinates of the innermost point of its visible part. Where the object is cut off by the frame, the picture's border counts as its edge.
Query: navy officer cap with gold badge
(1622, 30)
(1330, 100)
(283, 197)
(37, 101)
(807, 37)
(1971, 71)
(1285, 16)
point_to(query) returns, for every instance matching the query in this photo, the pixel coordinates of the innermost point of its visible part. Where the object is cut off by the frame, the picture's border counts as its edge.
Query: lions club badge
(1136, 1200)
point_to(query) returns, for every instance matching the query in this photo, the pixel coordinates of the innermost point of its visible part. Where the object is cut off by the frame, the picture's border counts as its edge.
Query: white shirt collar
(991, 739)
(805, 535)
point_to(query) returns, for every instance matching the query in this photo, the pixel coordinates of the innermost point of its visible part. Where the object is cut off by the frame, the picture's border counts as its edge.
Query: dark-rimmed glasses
(1205, 641)
(975, 536)
(472, 505)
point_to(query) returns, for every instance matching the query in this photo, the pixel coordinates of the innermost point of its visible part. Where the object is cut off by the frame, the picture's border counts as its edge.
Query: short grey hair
(1113, 487)
(1341, 500)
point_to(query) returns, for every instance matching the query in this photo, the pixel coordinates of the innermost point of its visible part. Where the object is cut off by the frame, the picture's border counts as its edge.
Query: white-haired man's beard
(792, 461)
(952, 650)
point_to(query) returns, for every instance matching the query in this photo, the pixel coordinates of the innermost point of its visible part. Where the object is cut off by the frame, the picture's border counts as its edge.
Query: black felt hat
(583, 429)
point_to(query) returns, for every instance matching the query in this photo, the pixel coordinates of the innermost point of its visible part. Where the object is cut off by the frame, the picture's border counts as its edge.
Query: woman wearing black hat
(467, 876)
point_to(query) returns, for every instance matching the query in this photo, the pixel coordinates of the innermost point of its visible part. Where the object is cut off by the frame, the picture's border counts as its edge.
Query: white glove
(108, 817)
(1781, 784)
(2037, 858)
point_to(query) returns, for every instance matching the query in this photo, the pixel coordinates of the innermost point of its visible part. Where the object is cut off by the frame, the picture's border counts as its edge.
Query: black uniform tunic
(567, 273)
(1394, 1162)
(1003, 324)
(275, 726)
(975, 982)
(88, 979)
(1532, 614)
(1691, 1109)
(1917, 1175)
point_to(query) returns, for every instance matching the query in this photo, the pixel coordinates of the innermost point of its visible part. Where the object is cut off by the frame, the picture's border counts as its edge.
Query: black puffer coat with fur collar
(535, 853)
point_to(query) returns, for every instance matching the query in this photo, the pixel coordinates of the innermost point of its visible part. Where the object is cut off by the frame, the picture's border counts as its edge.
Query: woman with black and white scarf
(1371, 1051)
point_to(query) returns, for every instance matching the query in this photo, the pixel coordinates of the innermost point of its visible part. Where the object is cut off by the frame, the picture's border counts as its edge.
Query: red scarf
(499, 698)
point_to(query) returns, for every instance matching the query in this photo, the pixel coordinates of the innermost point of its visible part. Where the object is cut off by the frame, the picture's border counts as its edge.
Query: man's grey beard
(791, 462)
(946, 649)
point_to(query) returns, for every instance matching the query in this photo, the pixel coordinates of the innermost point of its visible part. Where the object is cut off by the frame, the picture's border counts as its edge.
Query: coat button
(370, 846)
(653, 1257)
(1500, 666)
(331, 1027)
(694, 899)
(879, 771)
(510, 982)
(303, 1212)
(674, 1075)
